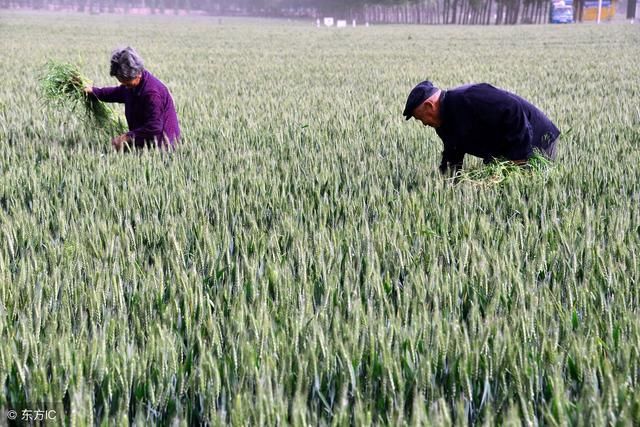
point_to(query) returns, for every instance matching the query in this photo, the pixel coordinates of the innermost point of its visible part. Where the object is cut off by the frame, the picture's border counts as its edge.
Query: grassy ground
(299, 259)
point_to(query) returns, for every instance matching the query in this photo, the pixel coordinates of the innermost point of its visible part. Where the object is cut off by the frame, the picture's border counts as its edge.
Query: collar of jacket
(143, 81)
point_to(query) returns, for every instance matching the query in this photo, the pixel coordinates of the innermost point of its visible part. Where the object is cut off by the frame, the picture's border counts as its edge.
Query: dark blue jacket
(488, 122)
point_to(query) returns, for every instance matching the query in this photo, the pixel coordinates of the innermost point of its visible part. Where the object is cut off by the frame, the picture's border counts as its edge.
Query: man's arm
(452, 160)
(152, 119)
(107, 94)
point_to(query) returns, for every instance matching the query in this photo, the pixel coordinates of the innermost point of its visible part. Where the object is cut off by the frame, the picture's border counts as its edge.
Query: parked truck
(561, 12)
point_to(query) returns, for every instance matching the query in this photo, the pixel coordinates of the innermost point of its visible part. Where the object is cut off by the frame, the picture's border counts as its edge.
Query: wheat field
(299, 260)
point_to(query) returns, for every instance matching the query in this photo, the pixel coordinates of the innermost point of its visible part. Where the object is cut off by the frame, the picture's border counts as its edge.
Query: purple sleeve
(151, 119)
(110, 94)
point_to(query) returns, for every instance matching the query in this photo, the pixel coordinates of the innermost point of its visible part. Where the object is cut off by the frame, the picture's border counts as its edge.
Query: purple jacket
(148, 108)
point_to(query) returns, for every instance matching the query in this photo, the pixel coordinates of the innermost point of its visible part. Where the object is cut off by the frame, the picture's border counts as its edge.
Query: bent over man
(483, 121)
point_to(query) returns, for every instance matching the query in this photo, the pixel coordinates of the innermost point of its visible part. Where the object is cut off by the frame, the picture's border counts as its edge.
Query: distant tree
(631, 9)
(578, 9)
(461, 12)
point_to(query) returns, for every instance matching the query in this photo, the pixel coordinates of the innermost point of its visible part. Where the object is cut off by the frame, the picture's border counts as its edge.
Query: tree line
(474, 12)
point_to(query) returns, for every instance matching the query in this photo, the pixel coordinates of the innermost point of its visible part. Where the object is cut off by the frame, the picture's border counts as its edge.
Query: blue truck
(561, 12)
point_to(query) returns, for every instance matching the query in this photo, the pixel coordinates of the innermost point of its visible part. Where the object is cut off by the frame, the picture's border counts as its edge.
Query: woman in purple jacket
(148, 106)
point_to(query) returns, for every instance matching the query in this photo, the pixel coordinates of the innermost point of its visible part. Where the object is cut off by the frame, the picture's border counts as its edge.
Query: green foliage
(63, 86)
(501, 171)
(299, 260)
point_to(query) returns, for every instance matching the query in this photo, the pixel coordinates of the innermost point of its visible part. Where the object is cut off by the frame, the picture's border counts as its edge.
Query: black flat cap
(422, 91)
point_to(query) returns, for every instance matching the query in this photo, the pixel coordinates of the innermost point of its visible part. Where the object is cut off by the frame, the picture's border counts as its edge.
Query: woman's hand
(88, 90)
(120, 141)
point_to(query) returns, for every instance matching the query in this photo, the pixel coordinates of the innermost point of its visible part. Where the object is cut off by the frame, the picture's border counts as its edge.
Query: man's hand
(120, 141)
(88, 90)
(449, 168)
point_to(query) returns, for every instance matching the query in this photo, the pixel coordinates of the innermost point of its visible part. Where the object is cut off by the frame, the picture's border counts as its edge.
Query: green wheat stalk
(63, 86)
(500, 171)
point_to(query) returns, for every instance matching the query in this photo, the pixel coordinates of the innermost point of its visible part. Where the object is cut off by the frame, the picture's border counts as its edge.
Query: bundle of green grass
(63, 86)
(502, 171)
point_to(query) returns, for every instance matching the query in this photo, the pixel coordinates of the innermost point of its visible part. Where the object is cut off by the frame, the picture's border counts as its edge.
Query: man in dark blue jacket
(483, 121)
